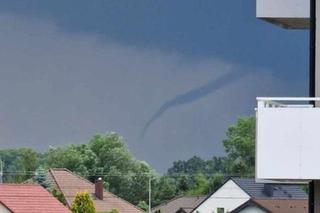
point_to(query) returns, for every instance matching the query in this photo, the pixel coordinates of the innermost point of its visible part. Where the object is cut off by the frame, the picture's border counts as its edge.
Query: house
(69, 184)
(28, 198)
(181, 204)
(273, 206)
(238, 191)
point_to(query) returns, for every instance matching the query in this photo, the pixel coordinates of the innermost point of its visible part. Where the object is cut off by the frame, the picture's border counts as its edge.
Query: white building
(225, 199)
(238, 191)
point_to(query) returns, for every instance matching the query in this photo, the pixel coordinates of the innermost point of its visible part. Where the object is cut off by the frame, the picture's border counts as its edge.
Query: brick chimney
(99, 188)
(268, 189)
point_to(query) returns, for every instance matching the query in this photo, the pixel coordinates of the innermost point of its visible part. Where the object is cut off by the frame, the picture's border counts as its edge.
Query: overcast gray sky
(62, 82)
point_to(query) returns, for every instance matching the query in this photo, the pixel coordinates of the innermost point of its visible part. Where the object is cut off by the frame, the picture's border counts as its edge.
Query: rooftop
(29, 198)
(276, 206)
(69, 184)
(186, 203)
(279, 191)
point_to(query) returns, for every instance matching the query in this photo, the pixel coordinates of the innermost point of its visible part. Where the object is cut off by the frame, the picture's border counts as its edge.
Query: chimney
(268, 189)
(99, 188)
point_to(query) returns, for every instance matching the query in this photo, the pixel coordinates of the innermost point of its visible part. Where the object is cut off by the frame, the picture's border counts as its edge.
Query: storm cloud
(59, 88)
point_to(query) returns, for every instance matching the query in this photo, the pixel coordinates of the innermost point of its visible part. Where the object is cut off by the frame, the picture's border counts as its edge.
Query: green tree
(77, 158)
(164, 189)
(128, 177)
(183, 184)
(240, 147)
(215, 182)
(41, 177)
(82, 203)
(105, 155)
(143, 205)
(201, 186)
(216, 165)
(19, 164)
(192, 166)
(187, 174)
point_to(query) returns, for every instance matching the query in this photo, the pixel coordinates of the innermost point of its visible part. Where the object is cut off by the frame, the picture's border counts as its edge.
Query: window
(220, 210)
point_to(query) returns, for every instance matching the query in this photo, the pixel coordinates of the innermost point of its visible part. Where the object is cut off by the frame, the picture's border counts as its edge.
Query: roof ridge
(168, 201)
(55, 180)
(240, 178)
(11, 195)
(59, 168)
(10, 210)
(242, 206)
(19, 184)
(279, 199)
(74, 174)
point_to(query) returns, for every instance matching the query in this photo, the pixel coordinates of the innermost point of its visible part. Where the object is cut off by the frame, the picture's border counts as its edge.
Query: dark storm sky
(71, 69)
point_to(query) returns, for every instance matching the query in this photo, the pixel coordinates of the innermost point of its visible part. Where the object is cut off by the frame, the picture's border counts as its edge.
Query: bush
(83, 203)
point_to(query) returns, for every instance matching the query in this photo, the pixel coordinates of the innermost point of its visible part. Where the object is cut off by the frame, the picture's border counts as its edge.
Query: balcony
(287, 139)
(285, 13)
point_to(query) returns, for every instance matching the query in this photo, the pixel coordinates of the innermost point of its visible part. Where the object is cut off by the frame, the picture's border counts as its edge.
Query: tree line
(107, 156)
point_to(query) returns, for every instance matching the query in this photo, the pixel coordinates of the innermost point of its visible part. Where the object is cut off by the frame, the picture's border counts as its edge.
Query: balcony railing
(286, 13)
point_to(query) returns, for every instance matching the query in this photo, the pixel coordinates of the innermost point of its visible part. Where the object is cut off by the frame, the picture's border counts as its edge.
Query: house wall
(229, 197)
(3, 209)
(252, 209)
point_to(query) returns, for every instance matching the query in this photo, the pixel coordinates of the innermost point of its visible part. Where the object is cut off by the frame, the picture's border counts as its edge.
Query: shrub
(83, 203)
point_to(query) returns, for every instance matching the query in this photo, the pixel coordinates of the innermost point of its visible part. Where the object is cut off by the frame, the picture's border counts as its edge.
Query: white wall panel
(288, 143)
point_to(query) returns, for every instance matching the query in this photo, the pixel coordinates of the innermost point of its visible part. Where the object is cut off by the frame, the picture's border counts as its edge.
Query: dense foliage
(197, 176)
(107, 156)
(240, 147)
(19, 164)
(143, 205)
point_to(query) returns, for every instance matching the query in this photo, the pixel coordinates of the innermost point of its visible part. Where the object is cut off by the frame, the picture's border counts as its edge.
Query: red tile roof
(29, 198)
(285, 206)
(69, 184)
(276, 206)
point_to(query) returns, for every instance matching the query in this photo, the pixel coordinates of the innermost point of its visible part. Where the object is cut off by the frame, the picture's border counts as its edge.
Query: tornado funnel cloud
(194, 95)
